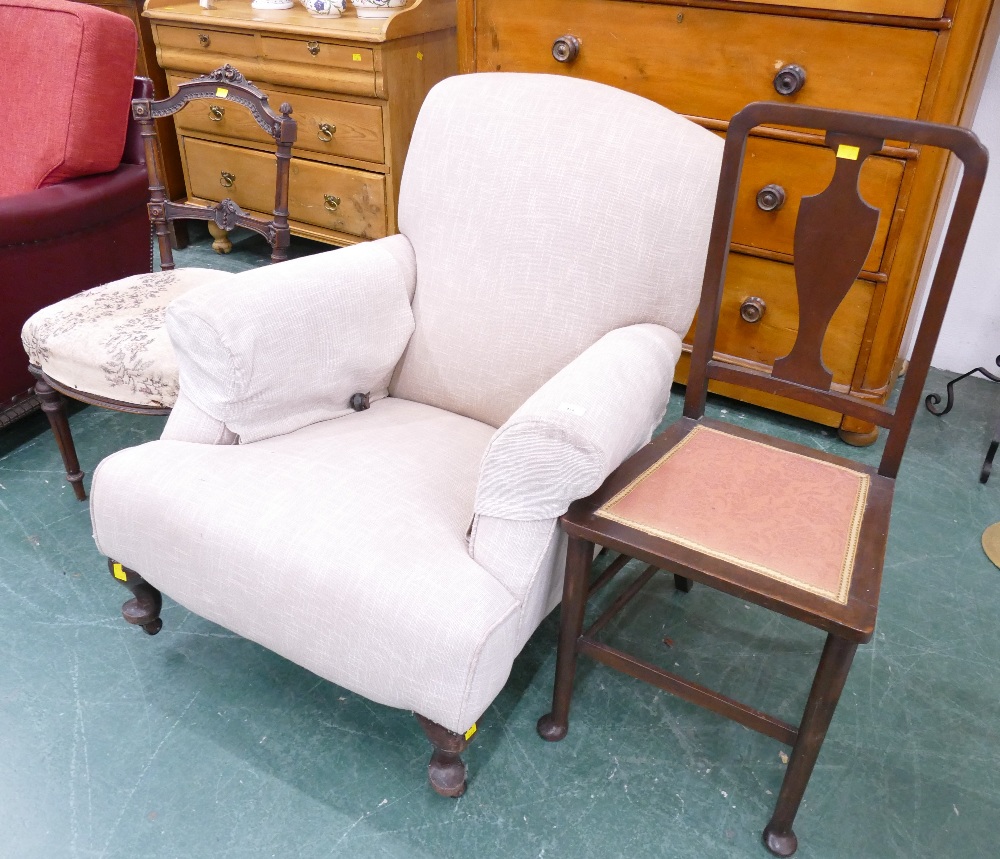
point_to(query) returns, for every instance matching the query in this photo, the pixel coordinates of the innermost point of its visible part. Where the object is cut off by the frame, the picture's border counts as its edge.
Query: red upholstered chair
(73, 187)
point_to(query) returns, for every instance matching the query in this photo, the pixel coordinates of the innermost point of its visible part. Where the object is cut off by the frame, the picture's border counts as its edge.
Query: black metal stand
(932, 402)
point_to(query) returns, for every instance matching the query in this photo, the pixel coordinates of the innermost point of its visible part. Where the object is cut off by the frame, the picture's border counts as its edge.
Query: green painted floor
(197, 743)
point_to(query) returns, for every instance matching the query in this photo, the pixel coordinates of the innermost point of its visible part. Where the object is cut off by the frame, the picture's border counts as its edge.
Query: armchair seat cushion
(355, 568)
(110, 342)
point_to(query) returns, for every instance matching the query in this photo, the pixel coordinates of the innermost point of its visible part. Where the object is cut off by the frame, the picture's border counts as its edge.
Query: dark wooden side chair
(792, 529)
(108, 346)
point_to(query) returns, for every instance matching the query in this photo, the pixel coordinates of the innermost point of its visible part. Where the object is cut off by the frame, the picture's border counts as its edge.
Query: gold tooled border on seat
(847, 565)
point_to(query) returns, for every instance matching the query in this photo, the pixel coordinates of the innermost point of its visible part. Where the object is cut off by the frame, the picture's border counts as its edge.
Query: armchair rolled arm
(579, 426)
(276, 349)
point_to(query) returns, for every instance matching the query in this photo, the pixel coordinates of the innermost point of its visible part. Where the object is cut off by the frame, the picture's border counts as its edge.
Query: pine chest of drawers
(355, 86)
(919, 59)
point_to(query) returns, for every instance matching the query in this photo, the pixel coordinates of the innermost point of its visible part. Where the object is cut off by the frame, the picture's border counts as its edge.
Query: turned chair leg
(54, 406)
(554, 726)
(823, 697)
(144, 607)
(446, 770)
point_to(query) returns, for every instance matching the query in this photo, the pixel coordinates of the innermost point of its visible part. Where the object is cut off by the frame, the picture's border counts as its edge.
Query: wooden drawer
(803, 170)
(208, 41)
(354, 130)
(904, 8)
(317, 53)
(709, 62)
(335, 198)
(773, 335)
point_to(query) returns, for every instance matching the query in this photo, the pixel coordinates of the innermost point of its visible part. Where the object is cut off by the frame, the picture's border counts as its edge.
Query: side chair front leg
(54, 406)
(446, 770)
(834, 664)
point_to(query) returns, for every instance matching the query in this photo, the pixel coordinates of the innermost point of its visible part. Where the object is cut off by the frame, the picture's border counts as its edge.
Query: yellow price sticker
(221, 92)
(420, 55)
(119, 573)
(356, 58)
(849, 152)
(470, 732)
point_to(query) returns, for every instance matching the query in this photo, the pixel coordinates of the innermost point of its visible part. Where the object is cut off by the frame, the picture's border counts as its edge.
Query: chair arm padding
(579, 426)
(189, 423)
(281, 347)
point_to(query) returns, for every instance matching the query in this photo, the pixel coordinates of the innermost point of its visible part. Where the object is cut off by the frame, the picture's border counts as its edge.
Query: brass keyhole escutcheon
(216, 112)
(326, 131)
(227, 179)
(204, 40)
(313, 47)
(331, 203)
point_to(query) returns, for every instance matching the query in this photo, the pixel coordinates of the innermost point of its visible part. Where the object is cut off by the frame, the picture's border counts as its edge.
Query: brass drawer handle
(331, 203)
(227, 179)
(313, 48)
(752, 309)
(204, 40)
(216, 112)
(770, 198)
(565, 49)
(789, 79)
(326, 131)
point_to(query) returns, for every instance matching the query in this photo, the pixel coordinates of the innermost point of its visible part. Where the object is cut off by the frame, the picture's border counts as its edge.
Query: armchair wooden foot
(446, 770)
(144, 607)
(54, 406)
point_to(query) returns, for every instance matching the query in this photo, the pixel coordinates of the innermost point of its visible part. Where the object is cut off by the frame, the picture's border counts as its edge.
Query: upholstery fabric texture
(342, 583)
(189, 423)
(536, 229)
(110, 341)
(267, 358)
(73, 107)
(799, 517)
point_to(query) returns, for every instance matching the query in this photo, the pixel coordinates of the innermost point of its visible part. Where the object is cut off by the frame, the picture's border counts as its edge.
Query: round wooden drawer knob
(565, 49)
(789, 79)
(770, 198)
(752, 309)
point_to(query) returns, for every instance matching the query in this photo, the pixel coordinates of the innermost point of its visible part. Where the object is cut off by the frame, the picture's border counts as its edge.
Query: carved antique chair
(791, 528)
(73, 190)
(108, 346)
(414, 413)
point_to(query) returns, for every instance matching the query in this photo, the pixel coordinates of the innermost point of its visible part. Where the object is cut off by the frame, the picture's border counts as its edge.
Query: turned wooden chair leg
(554, 726)
(144, 607)
(446, 770)
(54, 406)
(823, 697)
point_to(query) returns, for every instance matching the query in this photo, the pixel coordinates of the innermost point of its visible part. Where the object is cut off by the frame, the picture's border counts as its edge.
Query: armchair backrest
(544, 211)
(65, 86)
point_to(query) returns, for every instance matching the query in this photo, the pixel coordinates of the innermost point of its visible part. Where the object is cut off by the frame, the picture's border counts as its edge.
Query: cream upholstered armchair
(372, 446)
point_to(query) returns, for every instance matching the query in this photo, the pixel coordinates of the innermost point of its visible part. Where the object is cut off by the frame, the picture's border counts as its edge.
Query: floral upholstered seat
(110, 343)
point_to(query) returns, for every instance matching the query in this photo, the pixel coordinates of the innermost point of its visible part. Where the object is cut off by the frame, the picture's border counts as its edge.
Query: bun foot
(447, 774)
(144, 607)
(446, 770)
(549, 730)
(780, 843)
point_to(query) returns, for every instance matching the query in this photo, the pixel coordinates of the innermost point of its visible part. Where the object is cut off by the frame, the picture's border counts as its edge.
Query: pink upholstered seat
(779, 513)
(65, 113)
